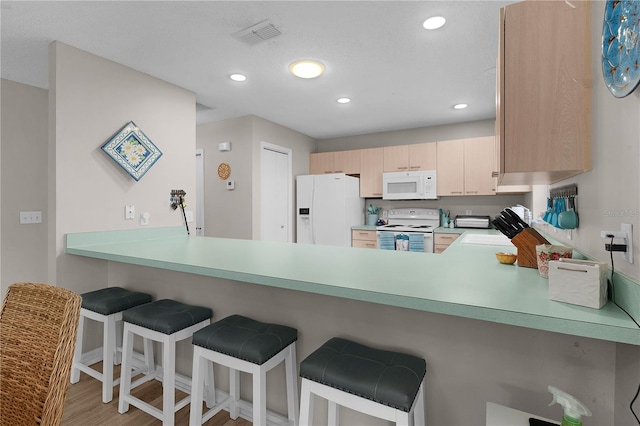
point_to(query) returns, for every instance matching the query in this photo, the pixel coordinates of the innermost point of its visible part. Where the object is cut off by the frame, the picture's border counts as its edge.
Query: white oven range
(413, 224)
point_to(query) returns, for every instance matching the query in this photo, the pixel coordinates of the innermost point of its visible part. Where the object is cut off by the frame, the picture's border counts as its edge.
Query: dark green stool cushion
(245, 338)
(166, 316)
(389, 378)
(107, 301)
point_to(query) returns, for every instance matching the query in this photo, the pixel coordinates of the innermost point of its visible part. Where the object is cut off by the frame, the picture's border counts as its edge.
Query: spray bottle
(573, 409)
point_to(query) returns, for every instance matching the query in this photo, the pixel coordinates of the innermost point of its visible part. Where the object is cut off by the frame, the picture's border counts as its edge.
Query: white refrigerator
(327, 207)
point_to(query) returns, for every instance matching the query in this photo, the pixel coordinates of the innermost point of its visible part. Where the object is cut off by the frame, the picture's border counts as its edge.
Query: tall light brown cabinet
(543, 129)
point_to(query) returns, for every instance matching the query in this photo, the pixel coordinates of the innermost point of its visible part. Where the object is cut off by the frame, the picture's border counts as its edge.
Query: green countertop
(466, 280)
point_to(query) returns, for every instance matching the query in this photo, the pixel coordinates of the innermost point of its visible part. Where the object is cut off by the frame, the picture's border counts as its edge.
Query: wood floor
(84, 406)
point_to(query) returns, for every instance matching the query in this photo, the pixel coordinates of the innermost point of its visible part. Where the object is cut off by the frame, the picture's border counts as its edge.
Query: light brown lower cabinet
(363, 239)
(442, 241)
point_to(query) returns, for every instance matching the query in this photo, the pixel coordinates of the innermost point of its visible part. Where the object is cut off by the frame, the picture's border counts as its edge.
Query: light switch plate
(30, 217)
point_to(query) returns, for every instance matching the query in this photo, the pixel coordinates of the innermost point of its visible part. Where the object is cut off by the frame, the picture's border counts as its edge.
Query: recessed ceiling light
(434, 22)
(306, 68)
(343, 100)
(238, 77)
(460, 106)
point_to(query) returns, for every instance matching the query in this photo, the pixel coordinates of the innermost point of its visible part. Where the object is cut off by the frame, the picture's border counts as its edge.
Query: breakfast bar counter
(464, 281)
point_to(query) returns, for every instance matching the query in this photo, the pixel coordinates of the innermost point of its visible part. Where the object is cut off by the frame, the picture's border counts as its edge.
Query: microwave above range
(411, 185)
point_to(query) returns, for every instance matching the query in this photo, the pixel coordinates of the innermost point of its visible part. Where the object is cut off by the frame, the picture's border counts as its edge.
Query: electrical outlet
(625, 234)
(144, 218)
(189, 215)
(129, 211)
(628, 229)
(468, 212)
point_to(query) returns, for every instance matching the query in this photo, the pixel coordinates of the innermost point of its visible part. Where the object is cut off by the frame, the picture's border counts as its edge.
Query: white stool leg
(77, 353)
(117, 350)
(333, 413)
(195, 415)
(108, 348)
(168, 380)
(402, 419)
(149, 359)
(234, 392)
(306, 404)
(259, 396)
(419, 410)
(210, 385)
(125, 370)
(292, 384)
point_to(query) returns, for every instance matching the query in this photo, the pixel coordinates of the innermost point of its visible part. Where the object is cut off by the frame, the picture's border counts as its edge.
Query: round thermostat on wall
(224, 171)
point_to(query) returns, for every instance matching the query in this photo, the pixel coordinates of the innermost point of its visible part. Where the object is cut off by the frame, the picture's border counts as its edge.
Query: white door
(199, 192)
(276, 193)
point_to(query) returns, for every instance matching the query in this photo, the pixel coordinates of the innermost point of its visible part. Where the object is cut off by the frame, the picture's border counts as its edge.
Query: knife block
(526, 242)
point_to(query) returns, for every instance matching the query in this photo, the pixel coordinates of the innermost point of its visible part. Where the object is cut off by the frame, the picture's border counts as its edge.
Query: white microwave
(413, 185)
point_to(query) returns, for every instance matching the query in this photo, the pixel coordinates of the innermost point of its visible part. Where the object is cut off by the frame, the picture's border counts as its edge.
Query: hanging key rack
(564, 191)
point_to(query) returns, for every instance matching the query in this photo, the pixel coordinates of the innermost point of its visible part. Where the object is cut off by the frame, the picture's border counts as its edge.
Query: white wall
(236, 213)
(90, 99)
(24, 183)
(227, 214)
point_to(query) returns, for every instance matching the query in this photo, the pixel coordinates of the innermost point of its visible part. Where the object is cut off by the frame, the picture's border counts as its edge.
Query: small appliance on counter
(468, 221)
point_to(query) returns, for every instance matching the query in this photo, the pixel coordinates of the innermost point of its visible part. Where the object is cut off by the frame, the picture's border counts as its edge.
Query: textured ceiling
(376, 52)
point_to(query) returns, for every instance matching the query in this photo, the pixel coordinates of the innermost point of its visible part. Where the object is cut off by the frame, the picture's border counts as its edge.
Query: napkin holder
(579, 282)
(526, 242)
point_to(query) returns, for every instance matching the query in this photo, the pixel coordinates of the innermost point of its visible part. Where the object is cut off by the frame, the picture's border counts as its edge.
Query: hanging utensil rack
(564, 191)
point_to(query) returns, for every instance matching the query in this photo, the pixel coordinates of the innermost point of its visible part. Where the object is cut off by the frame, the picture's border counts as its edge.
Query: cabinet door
(422, 156)
(364, 239)
(443, 241)
(371, 166)
(547, 85)
(479, 159)
(320, 163)
(450, 167)
(347, 162)
(396, 158)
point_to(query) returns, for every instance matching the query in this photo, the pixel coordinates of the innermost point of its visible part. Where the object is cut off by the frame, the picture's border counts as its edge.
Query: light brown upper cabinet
(347, 162)
(371, 166)
(544, 91)
(421, 156)
(465, 167)
(479, 162)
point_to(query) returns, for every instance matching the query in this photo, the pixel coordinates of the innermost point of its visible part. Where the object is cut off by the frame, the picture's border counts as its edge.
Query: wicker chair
(38, 324)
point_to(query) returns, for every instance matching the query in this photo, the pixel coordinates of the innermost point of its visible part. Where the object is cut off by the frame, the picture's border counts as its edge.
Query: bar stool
(106, 306)
(384, 384)
(244, 344)
(168, 322)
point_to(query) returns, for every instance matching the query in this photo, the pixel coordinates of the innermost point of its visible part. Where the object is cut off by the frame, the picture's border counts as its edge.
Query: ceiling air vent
(257, 33)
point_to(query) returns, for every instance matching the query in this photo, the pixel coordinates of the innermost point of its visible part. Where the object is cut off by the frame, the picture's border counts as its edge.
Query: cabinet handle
(456, 192)
(472, 192)
(495, 174)
(378, 193)
(372, 245)
(414, 167)
(338, 171)
(327, 172)
(402, 168)
(363, 233)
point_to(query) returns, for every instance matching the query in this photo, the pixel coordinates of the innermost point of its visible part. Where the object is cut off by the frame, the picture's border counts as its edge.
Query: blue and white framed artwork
(132, 150)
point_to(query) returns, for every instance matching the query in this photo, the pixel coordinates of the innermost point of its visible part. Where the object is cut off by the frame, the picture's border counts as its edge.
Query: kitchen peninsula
(333, 291)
